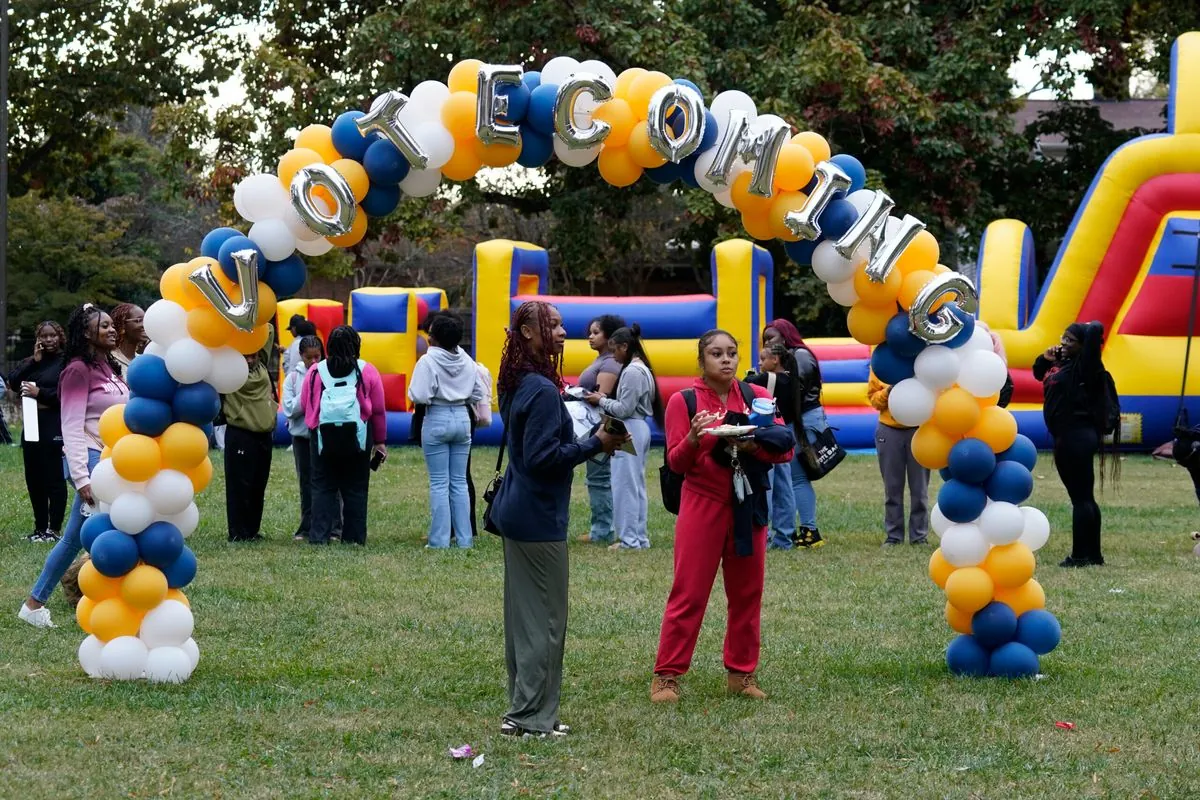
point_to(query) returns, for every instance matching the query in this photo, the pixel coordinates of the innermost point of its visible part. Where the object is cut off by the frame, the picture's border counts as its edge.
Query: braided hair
(309, 341)
(120, 314)
(344, 348)
(78, 338)
(787, 360)
(519, 357)
(58, 329)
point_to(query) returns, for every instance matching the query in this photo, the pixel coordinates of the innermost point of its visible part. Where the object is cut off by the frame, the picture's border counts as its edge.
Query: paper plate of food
(731, 431)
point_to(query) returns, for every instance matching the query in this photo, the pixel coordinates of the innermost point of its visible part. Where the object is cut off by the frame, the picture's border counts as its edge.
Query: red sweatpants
(704, 540)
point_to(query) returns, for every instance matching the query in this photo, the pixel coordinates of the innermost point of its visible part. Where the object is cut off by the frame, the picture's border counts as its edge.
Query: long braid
(78, 338)
(519, 358)
(344, 348)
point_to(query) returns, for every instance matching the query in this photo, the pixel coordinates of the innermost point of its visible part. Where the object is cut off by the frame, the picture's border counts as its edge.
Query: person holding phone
(89, 385)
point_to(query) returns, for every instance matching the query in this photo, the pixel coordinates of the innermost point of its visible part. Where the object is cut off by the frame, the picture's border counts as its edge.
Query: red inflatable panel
(840, 352)
(1026, 388)
(395, 392)
(326, 318)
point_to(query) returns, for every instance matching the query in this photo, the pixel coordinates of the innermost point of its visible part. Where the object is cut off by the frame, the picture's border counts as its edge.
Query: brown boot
(745, 685)
(664, 689)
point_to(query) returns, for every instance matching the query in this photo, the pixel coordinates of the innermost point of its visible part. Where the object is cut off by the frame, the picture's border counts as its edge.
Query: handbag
(820, 454)
(493, 489)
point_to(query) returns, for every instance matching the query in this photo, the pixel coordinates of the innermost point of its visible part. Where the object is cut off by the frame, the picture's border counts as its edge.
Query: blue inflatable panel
(854, 431)
(851, 370)
(685, 317)
(379, 313)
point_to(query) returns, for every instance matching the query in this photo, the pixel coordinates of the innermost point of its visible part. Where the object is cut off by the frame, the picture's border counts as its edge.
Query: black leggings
(1074, 455)
(45, 482)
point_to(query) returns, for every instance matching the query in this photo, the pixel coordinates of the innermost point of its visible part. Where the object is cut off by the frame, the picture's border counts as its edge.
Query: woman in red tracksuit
(714, 528)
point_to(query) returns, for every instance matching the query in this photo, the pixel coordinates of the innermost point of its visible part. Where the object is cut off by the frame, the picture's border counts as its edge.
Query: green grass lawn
(346, 672)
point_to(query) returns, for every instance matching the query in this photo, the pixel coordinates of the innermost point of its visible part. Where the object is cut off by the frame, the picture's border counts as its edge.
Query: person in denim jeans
(776, 369)
(601, 376)
(446, 380)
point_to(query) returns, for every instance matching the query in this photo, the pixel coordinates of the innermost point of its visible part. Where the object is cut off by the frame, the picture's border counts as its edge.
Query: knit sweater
(85, 391)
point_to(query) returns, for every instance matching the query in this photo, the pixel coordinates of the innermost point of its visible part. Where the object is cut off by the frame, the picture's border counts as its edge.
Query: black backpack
(670, 482)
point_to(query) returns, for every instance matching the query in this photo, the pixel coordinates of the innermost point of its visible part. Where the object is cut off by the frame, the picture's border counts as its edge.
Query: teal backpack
(341, 430)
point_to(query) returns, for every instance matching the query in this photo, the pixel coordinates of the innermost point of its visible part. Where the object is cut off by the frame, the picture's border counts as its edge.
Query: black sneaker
(36, 536)
(50, 535)
(809, 538)
(1072, 561)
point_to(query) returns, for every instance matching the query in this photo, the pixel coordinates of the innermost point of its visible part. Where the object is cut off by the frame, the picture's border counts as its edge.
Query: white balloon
(980, 340)
(911, 402)
(763, 120)
(892, 227)
(861, 199)
(193, 651)
(168, 665)
(185, 520)
(982, 373)
(165, 322)
(168, 492)
(155, 349)
(227, 370)
(704, 162)
(261, 197)
(317, 247)
(728, 101)
(108, 485)
(1037, 528)
(421, 182)
(273, 238)
(89, 656)
(437, 142)
(937, 367)
(828, 264)
(938, 521)
(132, 512)
(725, 198)
(599, 68)
(1001, 523)
(964, 545)
(297, 227)
(558, 69)
(574, 158)
(168, 624)
(101, 507)
(844, 293)
(188, 361)
(427, 98)
(124, 658)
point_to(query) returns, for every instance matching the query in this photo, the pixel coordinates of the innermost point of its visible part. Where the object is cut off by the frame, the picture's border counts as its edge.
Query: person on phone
(37, 377)
(446, 382)
(636, 399)
(531, 511)
(311, 352)
(601, 377)
(810, 420)
(250, 416)
(897, 466)
(131, 333)
(775, 375)
(1072, 376)
(89, 385)
(343, 455)
(715, 527)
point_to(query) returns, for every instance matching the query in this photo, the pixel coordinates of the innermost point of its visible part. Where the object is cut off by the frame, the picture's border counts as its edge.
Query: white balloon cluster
(275, 226)
(967, 544)
(188, 361)
(162, 652)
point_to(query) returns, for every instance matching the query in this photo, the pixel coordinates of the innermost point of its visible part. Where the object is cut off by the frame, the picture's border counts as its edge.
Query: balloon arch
(917, 313)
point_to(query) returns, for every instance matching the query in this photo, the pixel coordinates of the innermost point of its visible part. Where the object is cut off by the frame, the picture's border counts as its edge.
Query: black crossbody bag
(493, 489)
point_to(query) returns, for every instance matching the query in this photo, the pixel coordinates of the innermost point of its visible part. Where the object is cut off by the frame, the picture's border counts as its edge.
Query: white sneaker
(37, 617)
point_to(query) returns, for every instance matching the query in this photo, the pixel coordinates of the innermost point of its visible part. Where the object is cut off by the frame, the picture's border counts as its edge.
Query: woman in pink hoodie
(90, 383)
(347, 432)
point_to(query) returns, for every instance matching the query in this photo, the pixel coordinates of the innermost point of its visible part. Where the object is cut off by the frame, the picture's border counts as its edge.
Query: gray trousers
(535, 630)
(630, 504)
(896, 462)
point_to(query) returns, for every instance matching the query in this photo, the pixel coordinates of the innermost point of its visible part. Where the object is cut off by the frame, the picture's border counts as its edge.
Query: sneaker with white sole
(37, 617)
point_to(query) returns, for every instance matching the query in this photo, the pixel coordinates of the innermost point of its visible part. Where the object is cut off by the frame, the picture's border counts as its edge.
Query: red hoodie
(701, 473)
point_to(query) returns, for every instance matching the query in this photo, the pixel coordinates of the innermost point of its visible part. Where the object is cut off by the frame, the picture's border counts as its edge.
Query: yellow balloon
(293, 160)
(959, 621)
(816, 145)
(997, 427)
(931, 446)
(465, 162)
(319, 139)
(208, 327)
(642, 89)
(640, 150)
(794, 169)
(175, 594)
(114, 617)
(464, 76)
(1010, 565)
(911, 286)
(170, 285)
(183, 446)
(939, 568)
(112, 424)
(106, 453)
(458, 115)
(922, 253)
(266, 301)
(200, 475)
(879, 294)
(620, 118)
(136, 457)
(868, 324)
(617, 166)
(969, 589)
(758, 227)
(192, 297)
(95, 585)
(247, 342)
(144, 587)
(625, 81)
(785, 202)
(497, 155)
(1025, 597)
(746, 202)
(355, 175)
(956, 411)
(358, 229)
(83, 613)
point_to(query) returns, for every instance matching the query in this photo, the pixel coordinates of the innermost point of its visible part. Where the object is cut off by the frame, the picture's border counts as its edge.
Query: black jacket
(807, 380)
(1073, 387)
(45, 374)
(785, 392)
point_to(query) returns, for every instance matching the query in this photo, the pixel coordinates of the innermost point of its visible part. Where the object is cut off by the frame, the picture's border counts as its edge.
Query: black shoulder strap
(747, 394)
(689, 399)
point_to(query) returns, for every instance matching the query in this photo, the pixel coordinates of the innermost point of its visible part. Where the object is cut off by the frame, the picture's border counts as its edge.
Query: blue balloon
(532, 80)
(808, 187)
(147, 416)
(210, 246)
(384, 163)
(802, 252)
(147, 376)
(852, 167)
(965, 656)
(690, 85)
(1013, 660)
(209, 431)
(961, 502)
(837, 218)
(541, 108)
(968, 328)
(286, 277)
(687, 170)
(1039, 631)
(944, 472)
(993, 625)
(676, 118)
(160, 544)
(93, 526)
(972, 461)
(1010, 482)
(903, 341)
(536, 148)
(196, 404)
(518, 101)
(182, 570)
(1023, 451)
(346, 138)
(114, 553)
(709, 139)
(231, 246)
(381, 200)
(890, 367)
(665, 174)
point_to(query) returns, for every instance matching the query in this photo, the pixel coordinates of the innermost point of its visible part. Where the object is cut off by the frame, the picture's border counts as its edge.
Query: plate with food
(731, 431)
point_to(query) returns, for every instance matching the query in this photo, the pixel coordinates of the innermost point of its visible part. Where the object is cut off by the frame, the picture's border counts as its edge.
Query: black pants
(350, 477)
(45, 482)
(300, 447)
(5, 436)
(247, 470)
(1074, 454)
(1194, 470)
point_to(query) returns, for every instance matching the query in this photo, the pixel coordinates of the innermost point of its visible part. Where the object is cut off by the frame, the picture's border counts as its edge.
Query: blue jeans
(812, 421)
(446, 441)
(600, 498)
(781, 500)
(68, 546)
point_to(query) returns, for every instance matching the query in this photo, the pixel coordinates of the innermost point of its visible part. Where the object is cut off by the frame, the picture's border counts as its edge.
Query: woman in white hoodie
(446, 380)
(310, 351)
